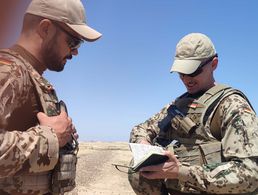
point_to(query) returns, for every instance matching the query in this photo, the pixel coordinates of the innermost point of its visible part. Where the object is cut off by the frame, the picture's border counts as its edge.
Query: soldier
(37, 138)
(210, 132)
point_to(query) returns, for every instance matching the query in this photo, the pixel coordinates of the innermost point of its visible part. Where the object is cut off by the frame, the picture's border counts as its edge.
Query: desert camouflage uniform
(233, 171)
(28, 151)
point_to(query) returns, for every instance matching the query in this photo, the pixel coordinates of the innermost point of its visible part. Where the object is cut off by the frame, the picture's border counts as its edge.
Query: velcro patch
(220, 169)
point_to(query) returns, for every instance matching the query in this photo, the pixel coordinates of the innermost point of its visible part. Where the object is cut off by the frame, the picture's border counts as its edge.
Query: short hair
(30, 22)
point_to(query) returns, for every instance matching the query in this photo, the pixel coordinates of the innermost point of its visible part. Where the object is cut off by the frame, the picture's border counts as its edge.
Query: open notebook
(146, 155)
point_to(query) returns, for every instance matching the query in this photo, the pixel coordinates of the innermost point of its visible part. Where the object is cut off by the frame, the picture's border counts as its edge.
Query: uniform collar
(39, 67)
(196, 95)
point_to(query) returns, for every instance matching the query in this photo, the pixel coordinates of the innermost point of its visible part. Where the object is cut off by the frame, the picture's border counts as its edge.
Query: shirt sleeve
(149, 129)
(238, 173)
(33, 150)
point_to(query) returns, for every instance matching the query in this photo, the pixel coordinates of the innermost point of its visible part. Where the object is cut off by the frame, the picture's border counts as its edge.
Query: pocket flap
(211, 152)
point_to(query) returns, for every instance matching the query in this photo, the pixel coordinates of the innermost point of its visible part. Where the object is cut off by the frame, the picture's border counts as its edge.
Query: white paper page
(141, 150)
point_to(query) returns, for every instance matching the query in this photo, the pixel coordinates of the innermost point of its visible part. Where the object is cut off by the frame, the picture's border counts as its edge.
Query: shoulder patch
(5, 61)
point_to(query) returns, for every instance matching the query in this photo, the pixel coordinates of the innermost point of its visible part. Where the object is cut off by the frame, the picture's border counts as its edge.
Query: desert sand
(95, 172)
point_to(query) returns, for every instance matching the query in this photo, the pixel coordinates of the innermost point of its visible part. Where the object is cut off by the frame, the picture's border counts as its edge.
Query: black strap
(164, 190)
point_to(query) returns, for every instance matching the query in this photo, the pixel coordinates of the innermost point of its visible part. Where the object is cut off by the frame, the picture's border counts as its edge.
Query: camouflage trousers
(143, 186)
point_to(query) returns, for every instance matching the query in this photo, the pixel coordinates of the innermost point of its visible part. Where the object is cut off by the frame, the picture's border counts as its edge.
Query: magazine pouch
(209, 153)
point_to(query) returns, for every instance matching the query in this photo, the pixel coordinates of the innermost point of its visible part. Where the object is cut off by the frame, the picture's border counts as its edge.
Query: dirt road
(95, 172)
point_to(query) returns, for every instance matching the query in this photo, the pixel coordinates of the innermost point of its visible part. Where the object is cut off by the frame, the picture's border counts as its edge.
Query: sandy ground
(95, 172)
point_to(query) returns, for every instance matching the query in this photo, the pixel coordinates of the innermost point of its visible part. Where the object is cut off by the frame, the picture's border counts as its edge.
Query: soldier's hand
(167, 170)
(74, 132)
(61, 124)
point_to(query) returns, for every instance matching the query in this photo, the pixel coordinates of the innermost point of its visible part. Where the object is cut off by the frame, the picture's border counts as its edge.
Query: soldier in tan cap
(38, 141)
(210, 132)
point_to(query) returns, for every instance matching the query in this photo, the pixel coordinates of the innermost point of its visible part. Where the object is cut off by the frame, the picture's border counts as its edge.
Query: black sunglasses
(73, 42)
(199, 69)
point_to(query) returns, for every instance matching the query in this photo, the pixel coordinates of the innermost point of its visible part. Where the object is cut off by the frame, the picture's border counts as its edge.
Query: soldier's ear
(214, 63)
(45, 28)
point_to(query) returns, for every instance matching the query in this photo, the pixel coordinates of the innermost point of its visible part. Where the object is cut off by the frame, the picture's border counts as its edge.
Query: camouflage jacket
(26, 148)
(238, 171)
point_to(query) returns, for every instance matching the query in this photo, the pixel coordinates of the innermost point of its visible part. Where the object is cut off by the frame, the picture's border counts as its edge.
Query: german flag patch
(195, 105)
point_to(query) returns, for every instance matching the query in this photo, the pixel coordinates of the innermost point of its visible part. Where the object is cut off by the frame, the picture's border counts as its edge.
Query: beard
(52, 59)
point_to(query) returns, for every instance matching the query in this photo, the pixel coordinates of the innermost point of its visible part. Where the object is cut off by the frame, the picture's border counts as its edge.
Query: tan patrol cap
(191, 50)
(70, 12)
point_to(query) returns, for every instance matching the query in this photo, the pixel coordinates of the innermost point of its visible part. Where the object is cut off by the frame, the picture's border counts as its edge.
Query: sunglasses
(73, 42)
(200, 68)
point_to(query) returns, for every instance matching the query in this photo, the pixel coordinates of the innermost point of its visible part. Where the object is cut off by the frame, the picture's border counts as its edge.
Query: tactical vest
(198, 140)
(62, 178)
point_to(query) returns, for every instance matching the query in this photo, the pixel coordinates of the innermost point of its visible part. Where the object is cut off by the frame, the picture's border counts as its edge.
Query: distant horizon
(102, 141)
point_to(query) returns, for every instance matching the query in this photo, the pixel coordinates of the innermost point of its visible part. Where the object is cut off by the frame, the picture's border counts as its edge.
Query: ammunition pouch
(64, 173)
(180, 121)
(63, 176)
(209, 153)
(183, 123)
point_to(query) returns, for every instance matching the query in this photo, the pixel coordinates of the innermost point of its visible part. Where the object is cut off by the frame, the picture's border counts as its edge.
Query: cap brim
(185, 66)
(88, 33)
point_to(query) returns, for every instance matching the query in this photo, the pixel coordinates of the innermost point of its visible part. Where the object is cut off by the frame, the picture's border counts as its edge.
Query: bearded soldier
(37, 138)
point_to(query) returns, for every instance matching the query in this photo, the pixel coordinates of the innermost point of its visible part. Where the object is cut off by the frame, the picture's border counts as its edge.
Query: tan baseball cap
(70, 12)
(191, 50)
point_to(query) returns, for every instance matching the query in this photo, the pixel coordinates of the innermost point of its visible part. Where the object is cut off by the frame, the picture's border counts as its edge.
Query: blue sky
(123, 78)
